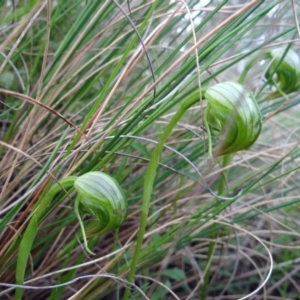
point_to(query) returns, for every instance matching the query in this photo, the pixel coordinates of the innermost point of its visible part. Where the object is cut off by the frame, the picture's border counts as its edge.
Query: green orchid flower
(98, 195)
(232, 116)
(284, 71)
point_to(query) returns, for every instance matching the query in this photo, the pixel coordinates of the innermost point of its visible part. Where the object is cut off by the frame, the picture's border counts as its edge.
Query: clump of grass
(99, 86)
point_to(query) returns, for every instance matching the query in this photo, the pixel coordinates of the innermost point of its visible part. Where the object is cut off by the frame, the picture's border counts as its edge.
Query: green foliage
(191, 107)
(175, 274)
(24, 252)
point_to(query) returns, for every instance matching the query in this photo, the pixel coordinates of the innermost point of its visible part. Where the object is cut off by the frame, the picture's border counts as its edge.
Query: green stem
(211, 248)
(247, 68)
(76, 208)
(31, 231)
(148, 184)
(209, 138)
(226, 161)
(64, 183)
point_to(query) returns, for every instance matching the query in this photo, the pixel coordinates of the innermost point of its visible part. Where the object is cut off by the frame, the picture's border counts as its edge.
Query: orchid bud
(232, 115)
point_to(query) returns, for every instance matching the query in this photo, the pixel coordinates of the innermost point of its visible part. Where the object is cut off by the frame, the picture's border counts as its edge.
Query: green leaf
(24, 252)
(175, 274)
(31, 231)
(142, 149)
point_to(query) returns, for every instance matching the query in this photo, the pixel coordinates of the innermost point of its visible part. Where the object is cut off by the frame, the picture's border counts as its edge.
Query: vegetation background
(91, 85)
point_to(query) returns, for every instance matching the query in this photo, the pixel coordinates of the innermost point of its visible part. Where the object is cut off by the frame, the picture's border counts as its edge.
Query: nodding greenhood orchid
(283, 72)
(98, 195)
(232, 115)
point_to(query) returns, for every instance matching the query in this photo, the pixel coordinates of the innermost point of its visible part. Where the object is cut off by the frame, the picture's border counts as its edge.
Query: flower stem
(148, 184)
(226, 161)
(31, 231)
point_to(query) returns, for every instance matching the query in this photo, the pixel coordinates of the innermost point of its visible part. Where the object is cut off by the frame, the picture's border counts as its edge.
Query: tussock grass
(92, 85)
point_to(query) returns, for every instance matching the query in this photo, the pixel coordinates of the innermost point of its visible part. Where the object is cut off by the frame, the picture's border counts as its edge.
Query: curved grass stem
(31, 231)
(148, 184)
